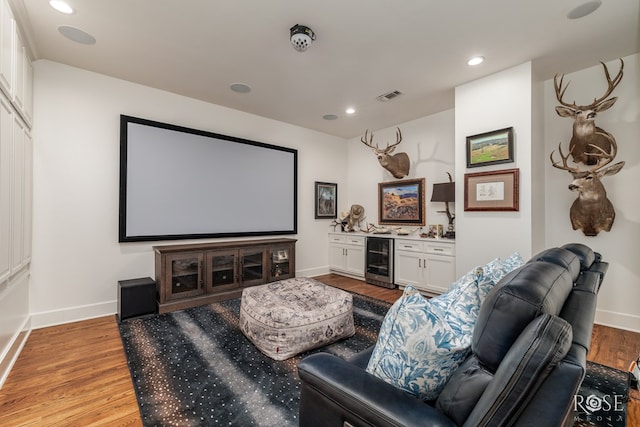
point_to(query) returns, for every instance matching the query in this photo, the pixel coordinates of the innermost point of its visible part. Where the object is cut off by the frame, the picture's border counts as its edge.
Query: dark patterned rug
(602, 399)
(195, 368)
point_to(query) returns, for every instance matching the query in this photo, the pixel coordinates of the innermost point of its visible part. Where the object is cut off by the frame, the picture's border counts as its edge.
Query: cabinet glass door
(222, 270)
(252, 267)
(185, 275)
(280, 264)
(379, 257)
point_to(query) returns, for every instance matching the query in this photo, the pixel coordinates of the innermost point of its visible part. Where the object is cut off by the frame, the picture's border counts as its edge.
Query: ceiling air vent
(389, 96)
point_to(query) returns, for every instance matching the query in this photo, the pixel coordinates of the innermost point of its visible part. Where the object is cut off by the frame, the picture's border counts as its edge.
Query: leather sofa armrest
(361, 360)
(365, 396)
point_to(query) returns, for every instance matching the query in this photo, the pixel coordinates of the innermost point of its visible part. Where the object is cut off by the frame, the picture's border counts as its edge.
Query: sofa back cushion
(563, 258)
(521, 296)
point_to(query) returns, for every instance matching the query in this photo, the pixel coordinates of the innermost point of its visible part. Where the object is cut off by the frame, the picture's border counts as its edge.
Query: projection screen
(182, 183)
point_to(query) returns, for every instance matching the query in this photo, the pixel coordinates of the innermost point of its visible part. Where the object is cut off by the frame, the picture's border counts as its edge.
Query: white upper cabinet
(16, 68)
(7, 32)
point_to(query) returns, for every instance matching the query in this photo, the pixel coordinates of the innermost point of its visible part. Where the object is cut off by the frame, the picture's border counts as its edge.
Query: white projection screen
(181, 183)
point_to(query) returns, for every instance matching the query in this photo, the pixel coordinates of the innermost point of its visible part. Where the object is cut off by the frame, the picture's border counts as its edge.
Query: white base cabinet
(346, 253)
(428, 266)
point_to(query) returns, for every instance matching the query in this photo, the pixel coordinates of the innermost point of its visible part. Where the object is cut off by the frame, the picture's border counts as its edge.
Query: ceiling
(364, 48)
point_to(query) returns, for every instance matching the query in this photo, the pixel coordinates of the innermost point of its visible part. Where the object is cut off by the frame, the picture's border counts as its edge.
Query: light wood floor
(77, 375)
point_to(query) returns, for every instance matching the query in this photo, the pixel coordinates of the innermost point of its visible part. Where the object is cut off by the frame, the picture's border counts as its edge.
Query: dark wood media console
(195, 274)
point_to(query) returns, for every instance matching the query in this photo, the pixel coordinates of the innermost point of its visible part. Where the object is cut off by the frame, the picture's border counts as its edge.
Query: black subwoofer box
(136, 297)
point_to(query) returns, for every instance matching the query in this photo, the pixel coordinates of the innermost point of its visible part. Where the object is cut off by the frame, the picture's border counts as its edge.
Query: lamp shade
(444, 192)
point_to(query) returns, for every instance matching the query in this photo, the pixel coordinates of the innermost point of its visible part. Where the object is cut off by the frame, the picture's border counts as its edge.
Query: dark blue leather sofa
(527, 361)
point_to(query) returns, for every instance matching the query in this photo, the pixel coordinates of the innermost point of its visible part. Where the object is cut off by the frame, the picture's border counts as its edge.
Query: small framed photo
(326, 200)
(435, 231)
(401, 202)
(490, 148)
(492, 191)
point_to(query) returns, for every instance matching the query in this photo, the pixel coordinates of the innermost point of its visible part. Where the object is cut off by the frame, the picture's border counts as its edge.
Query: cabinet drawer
(337, 238)
(354, 240)
(439, 249)
(409, 245)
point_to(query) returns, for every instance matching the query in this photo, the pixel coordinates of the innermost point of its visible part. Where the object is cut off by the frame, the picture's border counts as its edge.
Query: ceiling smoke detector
(301, 37)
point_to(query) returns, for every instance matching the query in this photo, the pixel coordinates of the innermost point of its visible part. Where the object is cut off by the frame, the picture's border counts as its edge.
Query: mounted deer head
(592, 211)
(398, 164)
(588, 140)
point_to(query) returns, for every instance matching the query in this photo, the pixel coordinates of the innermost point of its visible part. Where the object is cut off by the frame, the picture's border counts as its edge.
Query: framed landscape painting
(490, 148)
(401, 202)
(326, 200)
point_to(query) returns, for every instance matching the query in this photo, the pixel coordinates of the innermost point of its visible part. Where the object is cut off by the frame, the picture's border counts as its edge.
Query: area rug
(602, 399)
(195, 368)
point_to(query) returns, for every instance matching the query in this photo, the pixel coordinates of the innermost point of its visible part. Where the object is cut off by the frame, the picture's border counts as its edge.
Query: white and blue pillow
(423, 341)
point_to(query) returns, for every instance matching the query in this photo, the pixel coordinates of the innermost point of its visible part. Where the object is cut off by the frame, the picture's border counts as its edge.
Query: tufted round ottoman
(288, 317)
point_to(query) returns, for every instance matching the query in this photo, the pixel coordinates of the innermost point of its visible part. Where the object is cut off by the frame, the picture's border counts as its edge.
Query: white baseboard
(617, 320)
(11, 355)
(311, 272)
(73, 314)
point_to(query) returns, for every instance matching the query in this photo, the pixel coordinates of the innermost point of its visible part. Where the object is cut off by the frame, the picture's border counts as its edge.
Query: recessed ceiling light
(240, 88)
(476, 60)
(76, 35)
(350, 110)
(584, 9)
(330, 117)
(61, 6)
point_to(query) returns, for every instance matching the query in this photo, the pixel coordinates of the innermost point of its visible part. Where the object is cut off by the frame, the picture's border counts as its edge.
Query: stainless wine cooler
(379, 262)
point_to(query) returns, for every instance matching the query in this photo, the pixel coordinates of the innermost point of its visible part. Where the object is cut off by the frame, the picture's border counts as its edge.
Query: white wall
(77, 259)
(429, 143)
(619, 298)
(501, 100)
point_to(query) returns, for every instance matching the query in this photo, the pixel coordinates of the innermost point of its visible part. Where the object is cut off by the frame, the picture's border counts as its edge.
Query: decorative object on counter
(446, 192)
(353, 217)
(401, 202)
(592, 212)
(588, 142)
(490, 148)
(340, 223)
(435, 231)
(398, 164)
(326, 200)
(491, 191)
(378, 230)
(403, 231)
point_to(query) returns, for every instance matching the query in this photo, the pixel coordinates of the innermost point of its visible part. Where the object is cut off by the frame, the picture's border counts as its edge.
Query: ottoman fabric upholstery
(288, 317)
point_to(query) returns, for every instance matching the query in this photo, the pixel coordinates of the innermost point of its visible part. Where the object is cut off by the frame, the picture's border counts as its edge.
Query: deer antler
(611, 83)
(398, 140)
(564, 158)
(560, 91)
(604, 158)
(370, 140)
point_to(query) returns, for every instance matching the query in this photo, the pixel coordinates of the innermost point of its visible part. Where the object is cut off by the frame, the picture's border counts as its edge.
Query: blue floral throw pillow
(423, 341)
(418, 347)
